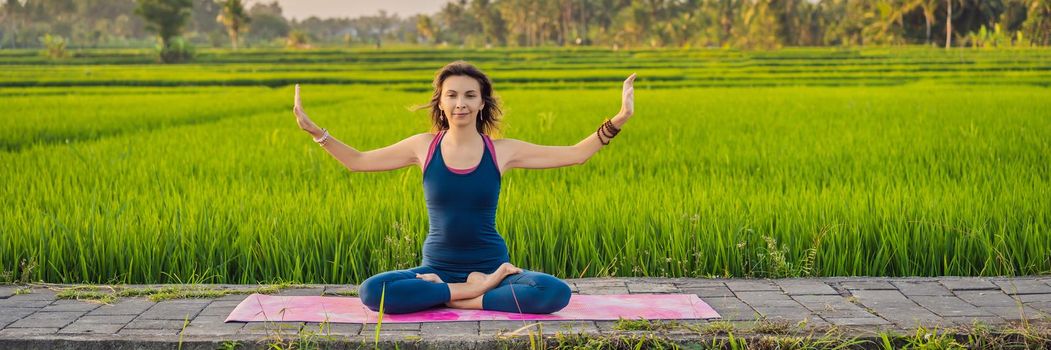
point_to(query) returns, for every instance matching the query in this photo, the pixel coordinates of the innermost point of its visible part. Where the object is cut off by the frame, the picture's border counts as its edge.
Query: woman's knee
(555, 294)
(372, 289)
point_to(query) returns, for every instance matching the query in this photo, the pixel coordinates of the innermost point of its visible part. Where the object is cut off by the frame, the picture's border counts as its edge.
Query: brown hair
(489, 116)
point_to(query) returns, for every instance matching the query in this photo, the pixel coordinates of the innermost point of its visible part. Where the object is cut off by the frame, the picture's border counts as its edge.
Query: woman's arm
(398, 155)
(530, 156)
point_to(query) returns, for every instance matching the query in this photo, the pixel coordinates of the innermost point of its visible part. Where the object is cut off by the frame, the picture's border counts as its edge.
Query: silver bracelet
(321, 141)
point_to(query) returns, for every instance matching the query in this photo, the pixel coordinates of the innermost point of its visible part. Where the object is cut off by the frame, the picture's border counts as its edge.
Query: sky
(301, 9)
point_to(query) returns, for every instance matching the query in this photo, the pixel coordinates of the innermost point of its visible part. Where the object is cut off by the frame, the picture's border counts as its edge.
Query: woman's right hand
(301, 117)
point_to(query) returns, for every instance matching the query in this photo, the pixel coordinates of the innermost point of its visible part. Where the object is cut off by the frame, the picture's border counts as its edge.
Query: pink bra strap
(492, 150)
(430, 151)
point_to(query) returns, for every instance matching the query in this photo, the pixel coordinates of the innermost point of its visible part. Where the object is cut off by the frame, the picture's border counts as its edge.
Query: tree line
(531, 23)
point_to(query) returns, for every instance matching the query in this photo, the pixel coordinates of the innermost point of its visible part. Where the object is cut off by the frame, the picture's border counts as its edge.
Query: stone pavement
(38, 320)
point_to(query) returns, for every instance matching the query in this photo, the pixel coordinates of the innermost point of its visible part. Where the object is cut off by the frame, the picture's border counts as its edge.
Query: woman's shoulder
(505, 141)
(423, 139)
(424, 136)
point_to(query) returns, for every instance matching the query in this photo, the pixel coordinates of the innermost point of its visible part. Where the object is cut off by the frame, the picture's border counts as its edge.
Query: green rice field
(798, 162)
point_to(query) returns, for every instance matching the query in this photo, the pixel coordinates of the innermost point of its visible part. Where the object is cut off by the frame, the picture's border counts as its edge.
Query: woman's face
(461, 100)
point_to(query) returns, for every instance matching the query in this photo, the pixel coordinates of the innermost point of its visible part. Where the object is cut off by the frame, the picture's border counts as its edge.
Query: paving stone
(237, 297)
(371, 327)
(955, 284)
(573, 287)
(271, 328)
(214, 329)
(1034, 298)
(36, 294)
(752, 285)
(460, 328)
(652, 288)
(867, 285)
(704, 292)
(687, 325)
(1023, 286)
(600, 290)
(93, 328)
(910, 317)
(767, 299)
(601, 284)
(134, 306)
(341, 289)
(793, 314)
(15, 332)
(569, 327)
(6, 320)
(147, 332)
(731, 309)
(174, 310)
(106, 319)
(70, 305)
(301, 291)
(805, 287)
(7, 291)
(220, 307)
(817, 301)
(1013, 313)
(208, 319)
(986, 298)
(223, 303)
(699, 283)
(216, 311)
(343, 329)
(1042, 306)
(16, 303)
(57, 319)
(857, 321)
(970, 320)
(882, 298)
(948, 306)
(605, 326)
(921, 288)
(507, 326)
(154, 324)
(392, 335)
(17, 312)
(743, 326)
(831, 306)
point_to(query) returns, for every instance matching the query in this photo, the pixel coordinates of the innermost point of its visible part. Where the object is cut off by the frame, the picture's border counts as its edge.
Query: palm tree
(1038, 25)
(235, 19)
(928, 7)
(948, 25)
(425, 26)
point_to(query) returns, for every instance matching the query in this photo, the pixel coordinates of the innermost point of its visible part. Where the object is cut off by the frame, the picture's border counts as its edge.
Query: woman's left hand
(627, 105)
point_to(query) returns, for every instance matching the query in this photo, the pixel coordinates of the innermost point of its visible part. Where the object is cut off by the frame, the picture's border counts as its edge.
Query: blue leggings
(536, 292)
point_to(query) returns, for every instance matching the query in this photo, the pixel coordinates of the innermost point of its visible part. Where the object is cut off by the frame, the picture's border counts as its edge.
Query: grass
(940, 169)
(110, 294)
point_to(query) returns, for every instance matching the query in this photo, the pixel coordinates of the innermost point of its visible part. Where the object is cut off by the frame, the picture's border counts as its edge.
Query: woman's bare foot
(483, 283)
(430, 277)
(490, 281)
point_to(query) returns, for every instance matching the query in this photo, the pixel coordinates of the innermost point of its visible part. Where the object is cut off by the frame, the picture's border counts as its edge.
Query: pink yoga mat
(259, 307)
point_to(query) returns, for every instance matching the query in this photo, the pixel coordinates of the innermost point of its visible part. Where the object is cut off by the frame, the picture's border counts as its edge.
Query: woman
(465, 261)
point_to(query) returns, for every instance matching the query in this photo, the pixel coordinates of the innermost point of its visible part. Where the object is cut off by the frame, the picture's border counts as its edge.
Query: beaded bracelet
(606, 132)
(612, 129)
(604, 129)
(321, 141)
(600, 136)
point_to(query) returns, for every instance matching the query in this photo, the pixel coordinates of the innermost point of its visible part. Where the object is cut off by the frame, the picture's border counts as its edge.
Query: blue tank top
(461, 209)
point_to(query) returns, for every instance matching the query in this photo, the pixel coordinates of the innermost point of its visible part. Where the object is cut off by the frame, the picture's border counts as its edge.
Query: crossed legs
(508, 289)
